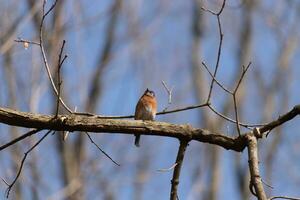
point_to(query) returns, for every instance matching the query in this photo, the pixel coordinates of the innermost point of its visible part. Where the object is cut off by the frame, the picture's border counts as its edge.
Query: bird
(145, 110)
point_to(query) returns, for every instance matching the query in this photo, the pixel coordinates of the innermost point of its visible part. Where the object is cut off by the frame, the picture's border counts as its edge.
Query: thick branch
(92, 124)
(255, 181)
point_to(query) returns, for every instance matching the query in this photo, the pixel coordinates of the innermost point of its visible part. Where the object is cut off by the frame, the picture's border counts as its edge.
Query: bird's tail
(137, 140)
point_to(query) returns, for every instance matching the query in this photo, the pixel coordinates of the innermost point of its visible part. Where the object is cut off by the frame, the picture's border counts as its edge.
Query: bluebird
(145, 110)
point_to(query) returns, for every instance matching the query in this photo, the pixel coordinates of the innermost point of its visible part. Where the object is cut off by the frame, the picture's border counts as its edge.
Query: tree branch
(43, 52)
(219, 47)
(94, 143)
(176, 173)
(59, 81)
(32, 132)
(281, 119)
(284, 197)
(22, 163)
(92, 124)
(255, 180)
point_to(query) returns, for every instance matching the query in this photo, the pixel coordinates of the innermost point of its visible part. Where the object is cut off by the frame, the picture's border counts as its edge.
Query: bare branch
(169, 91)
(22, 163)
(215, 13)
(236, 114)
(59, 65)
(218, 83)
(242, 77)
(284, 197)
(132, 116)
(182, 109)
(268, 185)
(232, 120)
(219, 48)
(27, 41)
(41, 42)
(176, 173)
(32, 132)
(281, 119)
(92, 141)
(234, 98)
(254, 169)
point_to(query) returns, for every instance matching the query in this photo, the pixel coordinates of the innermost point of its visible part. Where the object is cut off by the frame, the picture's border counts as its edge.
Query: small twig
(268, 185)
(234, 97)
(59, 81)
(236, 114)
(27, 41)
(218, 83)
(50, 9)
(168, 169)
(268, 132)
(232, 120)
(92, 141)
(22, 163)
(215, 13)
(176, 173)
(182, 109)
(169, 91)
(219, 48)
(284, 197)
(19, 138)
(63, 60)
(132, 116)
(242, 77)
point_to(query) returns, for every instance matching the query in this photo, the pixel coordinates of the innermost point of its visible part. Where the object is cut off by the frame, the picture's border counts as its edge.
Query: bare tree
(63, 64)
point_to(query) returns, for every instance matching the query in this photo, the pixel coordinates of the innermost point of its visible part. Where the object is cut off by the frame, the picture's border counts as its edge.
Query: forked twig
(218, 83)
(41, 45)
(169, 91)
(41, 42)
(234, 98)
